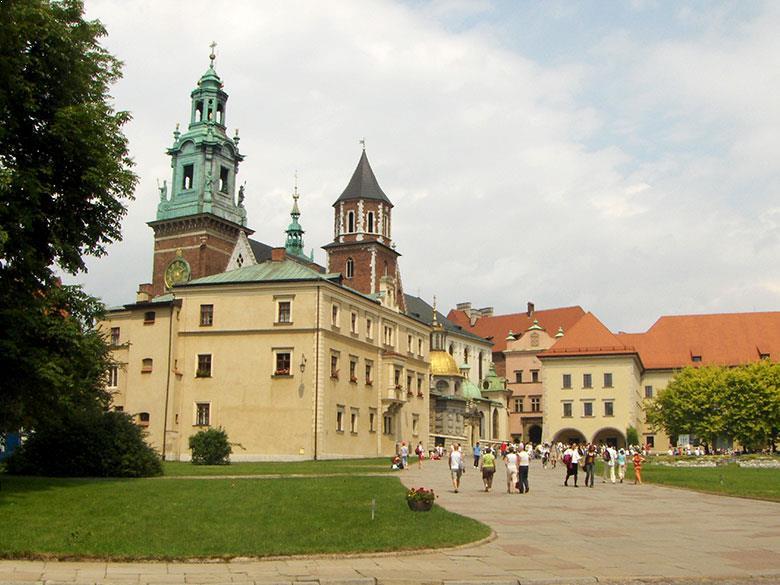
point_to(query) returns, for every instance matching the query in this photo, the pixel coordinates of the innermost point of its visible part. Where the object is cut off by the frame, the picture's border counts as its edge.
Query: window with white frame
(353, 420)
(518, 405)
(143, 419)
(607, 380)
(335, 314)
(202, 414)
(415, 424)
(146, 365)
(115, 336)
(113, 377)
(536, 403)
(369, 372)
(369, 328)
(387, 424)
(284, 311)
(353, 322)
(567, 410)
(587, 409)
(350, 268)
(420, 346)
(372, 420)
(282, 362)
(609, 408)
(340, 418)
(206, 315)
(353, 363)
(388, 335)
(334, 366)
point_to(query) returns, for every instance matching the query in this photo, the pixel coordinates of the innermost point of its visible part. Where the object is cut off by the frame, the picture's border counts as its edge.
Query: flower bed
(420, 499)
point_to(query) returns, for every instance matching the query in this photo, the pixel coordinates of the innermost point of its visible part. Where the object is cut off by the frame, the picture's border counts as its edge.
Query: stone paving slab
(621, 534)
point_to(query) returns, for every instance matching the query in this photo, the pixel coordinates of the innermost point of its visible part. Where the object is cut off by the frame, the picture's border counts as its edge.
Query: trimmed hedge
(210, 447)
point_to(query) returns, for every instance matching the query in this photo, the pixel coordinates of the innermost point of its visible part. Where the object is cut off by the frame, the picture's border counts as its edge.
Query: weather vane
(212, 56)
(363, 142)
(295, 193)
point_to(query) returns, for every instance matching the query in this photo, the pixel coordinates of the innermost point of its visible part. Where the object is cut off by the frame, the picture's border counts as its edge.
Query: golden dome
(443, 364)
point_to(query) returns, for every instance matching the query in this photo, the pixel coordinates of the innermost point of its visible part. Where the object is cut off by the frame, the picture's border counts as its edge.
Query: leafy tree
(742, 403)
(64, 173)
(210, 447)
(632, 436)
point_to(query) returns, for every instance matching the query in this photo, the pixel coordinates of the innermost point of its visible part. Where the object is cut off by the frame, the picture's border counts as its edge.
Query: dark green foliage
(87, 444)
(210, 447)
(64, 173)
(632, 436)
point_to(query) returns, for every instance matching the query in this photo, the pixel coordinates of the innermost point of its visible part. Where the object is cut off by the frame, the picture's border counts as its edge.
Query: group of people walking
(517, 461)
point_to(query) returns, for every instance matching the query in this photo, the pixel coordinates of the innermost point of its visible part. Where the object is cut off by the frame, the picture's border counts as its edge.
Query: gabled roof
(261, 251)
(727, 339)
(363, 184)
(496, 328)
(418, 309)
(588, 336)
(285, 270)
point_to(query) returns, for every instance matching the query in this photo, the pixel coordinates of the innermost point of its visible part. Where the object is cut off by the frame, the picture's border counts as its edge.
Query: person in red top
(637, 459)
(503, 449)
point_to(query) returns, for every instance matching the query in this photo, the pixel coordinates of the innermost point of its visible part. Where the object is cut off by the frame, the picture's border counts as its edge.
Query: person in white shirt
(524, 461)
(610, 456)
(572, 457)
(456, 466)
(511, 460)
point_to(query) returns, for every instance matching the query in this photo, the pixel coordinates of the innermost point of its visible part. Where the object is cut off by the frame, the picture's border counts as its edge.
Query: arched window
(481, 425)
(451, 349)
(350, 268)
(370, 222)
(495, 423)
(220, 113)
(350, 222)
(199, 112)
(466, 355)
(143, 419)
(480, 365)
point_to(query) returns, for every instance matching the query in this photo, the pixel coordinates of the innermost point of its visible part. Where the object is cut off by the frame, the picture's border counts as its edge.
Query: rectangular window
(518, 405)
(369, 373)
(284, 313)
(119, 409)
(202, 414)
(518, 376)
(695, 358)
(283, 362)
(340, 419)
(149, 317)
(567, 380)
(567, 409)
(419, 386)
(353, 370)
(607, 380)
(146, 365)
(609, 408)
(650, 441)
(536, 403)
(534, 375)
(187, 175)
(204, 366)
(369, 328)
(409, 384)
(388, 337)
(334, 367)
(397, 378)
(115, 336)
(334, 316)
(587, 409)
(419, 347)
(113, 376)
(206, 315)
(587, 381)
(415, 424)
(372, 420)
(648, 391)
(409, 343)
(387, 425)
(353, 320)
(224, 174)
(353, 421)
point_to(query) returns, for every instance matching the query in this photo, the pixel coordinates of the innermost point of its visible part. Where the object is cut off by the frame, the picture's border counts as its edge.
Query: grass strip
(189, 518)
(340, 466)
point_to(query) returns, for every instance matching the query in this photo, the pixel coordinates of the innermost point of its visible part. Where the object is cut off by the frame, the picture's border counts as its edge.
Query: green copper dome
(470, 390)
(493, 382)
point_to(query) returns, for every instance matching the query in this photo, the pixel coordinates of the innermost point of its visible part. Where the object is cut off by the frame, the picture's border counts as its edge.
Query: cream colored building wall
(279, 417)
(139, 391)
(658, 379)
(624, 394)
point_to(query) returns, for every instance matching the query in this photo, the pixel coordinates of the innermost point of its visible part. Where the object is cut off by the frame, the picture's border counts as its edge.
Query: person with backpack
(420, 452)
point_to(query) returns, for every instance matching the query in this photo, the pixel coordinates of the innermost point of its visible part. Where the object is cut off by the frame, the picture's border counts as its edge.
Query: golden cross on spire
(212, 56)
(435, 320)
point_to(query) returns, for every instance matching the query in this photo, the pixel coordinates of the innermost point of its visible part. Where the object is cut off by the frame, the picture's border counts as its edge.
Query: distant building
(595, 381)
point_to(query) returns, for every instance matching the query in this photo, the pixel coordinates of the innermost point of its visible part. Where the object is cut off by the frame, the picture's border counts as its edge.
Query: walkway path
(553, 534)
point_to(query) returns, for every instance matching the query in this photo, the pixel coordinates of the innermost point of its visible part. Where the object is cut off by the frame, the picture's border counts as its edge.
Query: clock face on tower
(177, 272)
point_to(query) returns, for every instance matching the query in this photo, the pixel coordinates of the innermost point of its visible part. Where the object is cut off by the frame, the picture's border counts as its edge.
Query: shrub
(86, 444)
(632, 436)
(210, 447)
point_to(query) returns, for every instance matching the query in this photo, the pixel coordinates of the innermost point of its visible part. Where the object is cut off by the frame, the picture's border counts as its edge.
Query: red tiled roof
(673, 341)
(725, 339)
(588, 336)
(497, 327)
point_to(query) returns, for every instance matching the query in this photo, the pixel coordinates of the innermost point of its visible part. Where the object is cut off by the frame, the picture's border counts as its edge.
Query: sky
(620, 156)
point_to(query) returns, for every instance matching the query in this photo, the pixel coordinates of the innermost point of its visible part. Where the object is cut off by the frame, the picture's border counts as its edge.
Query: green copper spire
(204, 159)
(294, 243)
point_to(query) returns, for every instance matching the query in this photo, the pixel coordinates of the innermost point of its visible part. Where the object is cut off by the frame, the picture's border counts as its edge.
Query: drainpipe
(168, 379)
(317, 375)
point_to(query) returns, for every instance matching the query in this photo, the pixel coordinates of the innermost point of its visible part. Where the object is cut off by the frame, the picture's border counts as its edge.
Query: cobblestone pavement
(621, 534)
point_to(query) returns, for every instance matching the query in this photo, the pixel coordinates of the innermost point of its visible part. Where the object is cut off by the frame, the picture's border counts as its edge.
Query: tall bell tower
(362, 249)
(199, 221)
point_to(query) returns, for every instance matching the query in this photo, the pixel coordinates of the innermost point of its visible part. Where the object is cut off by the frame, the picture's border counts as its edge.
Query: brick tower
(197, 227)
(362, 249)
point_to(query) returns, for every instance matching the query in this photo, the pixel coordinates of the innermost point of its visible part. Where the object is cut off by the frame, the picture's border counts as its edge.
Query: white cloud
(512, 180)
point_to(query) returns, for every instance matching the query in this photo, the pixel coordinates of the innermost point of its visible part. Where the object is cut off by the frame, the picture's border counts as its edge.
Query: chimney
(278, 254)
(486, 312)
(465, 307)
(530, 311)
(144, 293)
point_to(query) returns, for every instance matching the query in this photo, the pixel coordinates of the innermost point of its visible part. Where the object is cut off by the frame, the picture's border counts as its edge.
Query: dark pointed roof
(363, 184)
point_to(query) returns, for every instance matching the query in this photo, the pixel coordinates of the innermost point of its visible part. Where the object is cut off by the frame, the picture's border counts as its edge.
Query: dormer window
(695, 358)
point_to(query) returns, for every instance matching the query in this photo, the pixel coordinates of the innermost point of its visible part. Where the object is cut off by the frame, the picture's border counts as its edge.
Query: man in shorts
(456, 466)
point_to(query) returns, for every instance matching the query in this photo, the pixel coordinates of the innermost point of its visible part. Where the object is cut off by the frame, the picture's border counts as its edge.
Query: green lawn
(178, 518)
(339, 466)
(728, 480)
